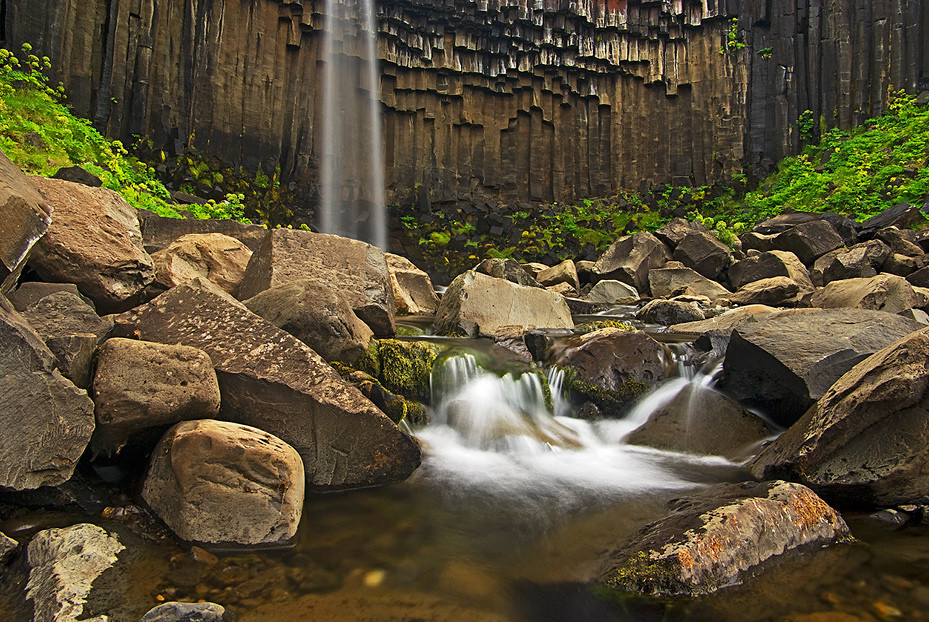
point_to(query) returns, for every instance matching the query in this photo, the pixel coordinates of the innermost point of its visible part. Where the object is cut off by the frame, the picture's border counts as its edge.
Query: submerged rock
(220, 482)
(272, 381)
(715, 536)
(65, 563)
(866, 438)
(783, 364)
(477, 304)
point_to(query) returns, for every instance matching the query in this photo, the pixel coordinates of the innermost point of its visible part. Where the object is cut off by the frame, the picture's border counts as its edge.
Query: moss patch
(406, 366)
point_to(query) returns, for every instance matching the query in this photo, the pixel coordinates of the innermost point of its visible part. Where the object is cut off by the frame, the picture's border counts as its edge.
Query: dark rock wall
(512, 99)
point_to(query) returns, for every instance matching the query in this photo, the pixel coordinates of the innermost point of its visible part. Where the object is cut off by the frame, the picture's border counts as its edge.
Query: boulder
(904, 265)
(31, 292)
(612, 367)
(714, 537)
(901, 241)
(507, 269)
(94, 241)
(63, 313)
(413, 290)
(216, 257)
(219, 482)
(318, 315)
(404, 367)
(760, 242)
(612, 293)
(24, 218)
(158, 232)
(669, 282)
(631, 258)
(866, 438)
(534, 267)
(565, 272)
(901, 215)
(768, 265)
(726, 321)
(679, 228)
(563, 289)
(844, 226)
(187, 612)
(667, 312)
(861, 260)
(140, 385)
(273, 381)
(477, 304)
(74, 356)
(920, 278)
(64, 564)
(782, 365)
(808, 241)
(916, 314)
(884, 292)
(358, 270)
(49, 420)
(78, 175)
(8, 547)
(776, 291)
(704, 253)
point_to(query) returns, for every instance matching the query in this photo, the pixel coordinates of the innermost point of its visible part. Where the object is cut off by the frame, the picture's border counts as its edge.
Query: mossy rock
(406, 367)
(612, 404)
(590, 327)
(396, 407)
(370, 360)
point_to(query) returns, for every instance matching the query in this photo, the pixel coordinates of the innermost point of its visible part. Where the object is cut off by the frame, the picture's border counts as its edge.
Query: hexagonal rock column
(220, 482)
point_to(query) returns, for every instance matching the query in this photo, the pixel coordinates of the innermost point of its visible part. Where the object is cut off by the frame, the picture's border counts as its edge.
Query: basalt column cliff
(511, 99)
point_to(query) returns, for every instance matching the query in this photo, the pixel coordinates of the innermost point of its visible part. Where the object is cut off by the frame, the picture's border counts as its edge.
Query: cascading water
(351, 162)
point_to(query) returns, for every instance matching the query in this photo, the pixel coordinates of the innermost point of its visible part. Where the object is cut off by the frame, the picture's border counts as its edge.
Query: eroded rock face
(140, 385)
(413, 290)
(220, 482)
(24, 218)
(213, 256)
(94, 241)
(477, 304)
(318, 315)
(48, 420)
(64, 565)
(713, 537)
(358, 270)
(865, 439)
(783, 365)
(272, 381)
(630, 259)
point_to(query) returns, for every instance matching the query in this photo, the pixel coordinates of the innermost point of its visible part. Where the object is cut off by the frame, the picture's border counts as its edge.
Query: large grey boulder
(901, 241)
(49, 420)
(884, 292)
(272, 381)
(31, 292)
(318, 315)
(478, 304)
(140, 385)
(861, 260)
(94, 241)
(704, 253)
(64, 564)
(218, 258)
(867, 438)
(24, 218)
(220, 482)
(413, 290)
(670, 282)
(808, 241)
(358, 270)
(158, 232)
(714, 537)
(701, 421)
(769, 265)
(63, 313)
(900, 215)
(612, 367)
(630, 259)
(781, 366)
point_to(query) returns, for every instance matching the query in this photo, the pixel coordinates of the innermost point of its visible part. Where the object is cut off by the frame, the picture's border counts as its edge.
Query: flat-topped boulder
(884, 292)
(24, 218)
(712, 538)
(782, 365)
(358, 270)
(808, 241)
(611, 292)
(95, 242)
(668, 312)
(867, 438)
(630, 259)
(272, 381)
(478, 304)
(565, 272)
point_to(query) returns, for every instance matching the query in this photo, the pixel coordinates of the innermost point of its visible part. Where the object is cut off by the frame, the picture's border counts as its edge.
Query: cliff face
(512, 99)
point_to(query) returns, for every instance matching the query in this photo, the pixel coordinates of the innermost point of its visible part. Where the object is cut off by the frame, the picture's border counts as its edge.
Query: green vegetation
(733, 41)
(40, 135)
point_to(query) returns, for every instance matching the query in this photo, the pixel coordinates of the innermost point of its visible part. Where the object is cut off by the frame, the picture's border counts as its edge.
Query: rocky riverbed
(175, 390)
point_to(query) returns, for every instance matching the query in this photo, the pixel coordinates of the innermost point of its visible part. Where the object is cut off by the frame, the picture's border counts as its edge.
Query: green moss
(640, 573)
(590, 327)
(406, 366)
(370, 360)
(611, 403)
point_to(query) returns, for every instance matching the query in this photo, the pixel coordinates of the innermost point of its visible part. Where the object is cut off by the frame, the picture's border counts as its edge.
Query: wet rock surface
(711, 538)
(188, 612)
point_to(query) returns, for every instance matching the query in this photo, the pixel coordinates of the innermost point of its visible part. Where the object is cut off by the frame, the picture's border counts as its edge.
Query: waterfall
(351, 155)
